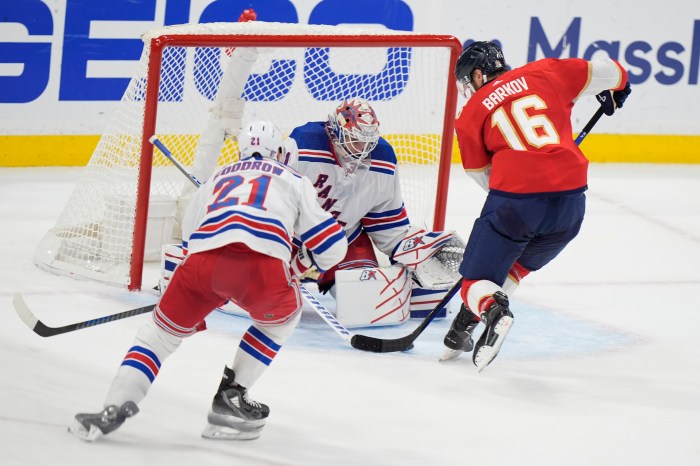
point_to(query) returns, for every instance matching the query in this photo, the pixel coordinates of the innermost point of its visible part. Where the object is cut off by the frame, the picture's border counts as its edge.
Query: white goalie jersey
(369, 200)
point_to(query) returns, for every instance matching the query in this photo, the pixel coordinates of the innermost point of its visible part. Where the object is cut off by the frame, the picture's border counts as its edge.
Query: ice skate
(459, 338)
(90, 427)
(498, 320)
(234, 416)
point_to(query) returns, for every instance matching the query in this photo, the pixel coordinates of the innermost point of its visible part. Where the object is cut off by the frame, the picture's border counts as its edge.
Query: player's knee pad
(373, 296)
(473, 292)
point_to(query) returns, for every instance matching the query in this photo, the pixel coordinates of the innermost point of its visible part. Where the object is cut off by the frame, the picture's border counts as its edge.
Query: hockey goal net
(194, 85)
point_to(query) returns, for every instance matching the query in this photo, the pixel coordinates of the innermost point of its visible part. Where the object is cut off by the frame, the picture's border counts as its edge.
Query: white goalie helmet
(354, 128)
(263, 138)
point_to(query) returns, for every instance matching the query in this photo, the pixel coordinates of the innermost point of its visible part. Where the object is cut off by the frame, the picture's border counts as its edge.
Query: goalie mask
(484, 56)
(353, 129)
(262, 138)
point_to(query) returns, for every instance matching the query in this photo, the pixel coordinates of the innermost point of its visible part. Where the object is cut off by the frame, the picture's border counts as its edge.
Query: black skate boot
(90, 427)
(459, 337)
(498, 320)
(234, 416)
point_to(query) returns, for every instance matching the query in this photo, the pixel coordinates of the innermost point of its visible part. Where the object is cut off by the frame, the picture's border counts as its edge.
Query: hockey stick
(169, 155)
(380, 345)
(589, 126)
(308, 297)
(44, 330)
(325, 314)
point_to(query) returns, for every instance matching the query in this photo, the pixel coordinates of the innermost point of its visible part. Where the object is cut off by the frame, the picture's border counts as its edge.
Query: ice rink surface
(602, 366)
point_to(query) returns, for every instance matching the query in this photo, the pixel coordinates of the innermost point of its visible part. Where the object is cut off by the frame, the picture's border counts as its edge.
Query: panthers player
(239, 228)
(355, 174)
(515, 137)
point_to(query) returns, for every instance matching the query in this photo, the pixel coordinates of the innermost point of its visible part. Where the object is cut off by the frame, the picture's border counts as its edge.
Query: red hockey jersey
(515, 132)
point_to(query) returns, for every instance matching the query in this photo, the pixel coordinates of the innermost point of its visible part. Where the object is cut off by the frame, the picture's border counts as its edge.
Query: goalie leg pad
(424, 300)
(172, 255)
(373, 296)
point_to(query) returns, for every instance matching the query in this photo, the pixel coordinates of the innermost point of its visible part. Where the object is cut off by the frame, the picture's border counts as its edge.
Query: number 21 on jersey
(230, 189)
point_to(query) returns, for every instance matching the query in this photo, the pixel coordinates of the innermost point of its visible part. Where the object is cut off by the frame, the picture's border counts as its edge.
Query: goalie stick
(382, 345)
(44, 330)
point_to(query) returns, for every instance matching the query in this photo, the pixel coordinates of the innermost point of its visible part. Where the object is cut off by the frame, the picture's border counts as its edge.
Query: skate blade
(486, 354)
(448, 354)
(216, 432)
(79, 431)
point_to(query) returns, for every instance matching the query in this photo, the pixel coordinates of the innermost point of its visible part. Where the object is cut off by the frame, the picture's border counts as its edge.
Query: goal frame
(160, 43)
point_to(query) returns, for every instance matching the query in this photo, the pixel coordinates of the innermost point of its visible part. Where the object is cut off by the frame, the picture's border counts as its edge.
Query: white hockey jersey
(369, 200)
(262, 203)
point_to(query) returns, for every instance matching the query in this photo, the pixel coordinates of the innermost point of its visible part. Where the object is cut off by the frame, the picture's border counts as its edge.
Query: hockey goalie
(356, 176)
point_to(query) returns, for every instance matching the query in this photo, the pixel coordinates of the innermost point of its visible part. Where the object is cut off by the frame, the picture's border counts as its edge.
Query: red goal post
(197, 82)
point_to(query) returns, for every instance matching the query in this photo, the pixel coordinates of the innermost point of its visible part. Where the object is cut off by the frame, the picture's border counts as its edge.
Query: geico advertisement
(65, 64)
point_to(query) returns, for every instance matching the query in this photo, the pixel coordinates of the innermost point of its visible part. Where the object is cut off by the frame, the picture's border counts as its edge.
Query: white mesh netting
(199, 103)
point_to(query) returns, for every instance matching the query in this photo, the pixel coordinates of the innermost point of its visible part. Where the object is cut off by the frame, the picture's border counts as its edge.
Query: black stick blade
(44, 330)
(379, 345)
(366, 343)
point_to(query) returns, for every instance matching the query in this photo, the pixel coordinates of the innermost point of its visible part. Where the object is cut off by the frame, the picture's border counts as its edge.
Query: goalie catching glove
(303, 267)
(419, 245)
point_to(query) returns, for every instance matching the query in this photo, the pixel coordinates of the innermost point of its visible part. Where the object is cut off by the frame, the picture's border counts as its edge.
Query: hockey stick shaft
(169, 155)
(325, 314)
(589, 126)
(44, 330)
(381, 345)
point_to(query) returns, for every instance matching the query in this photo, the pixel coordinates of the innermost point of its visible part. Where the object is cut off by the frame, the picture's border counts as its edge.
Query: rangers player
(515, 137)
(354, 171)
(239, 227)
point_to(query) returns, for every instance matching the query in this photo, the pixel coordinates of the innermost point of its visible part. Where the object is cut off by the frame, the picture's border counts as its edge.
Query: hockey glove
(612, 100)
(303, 267)
(419, 245)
